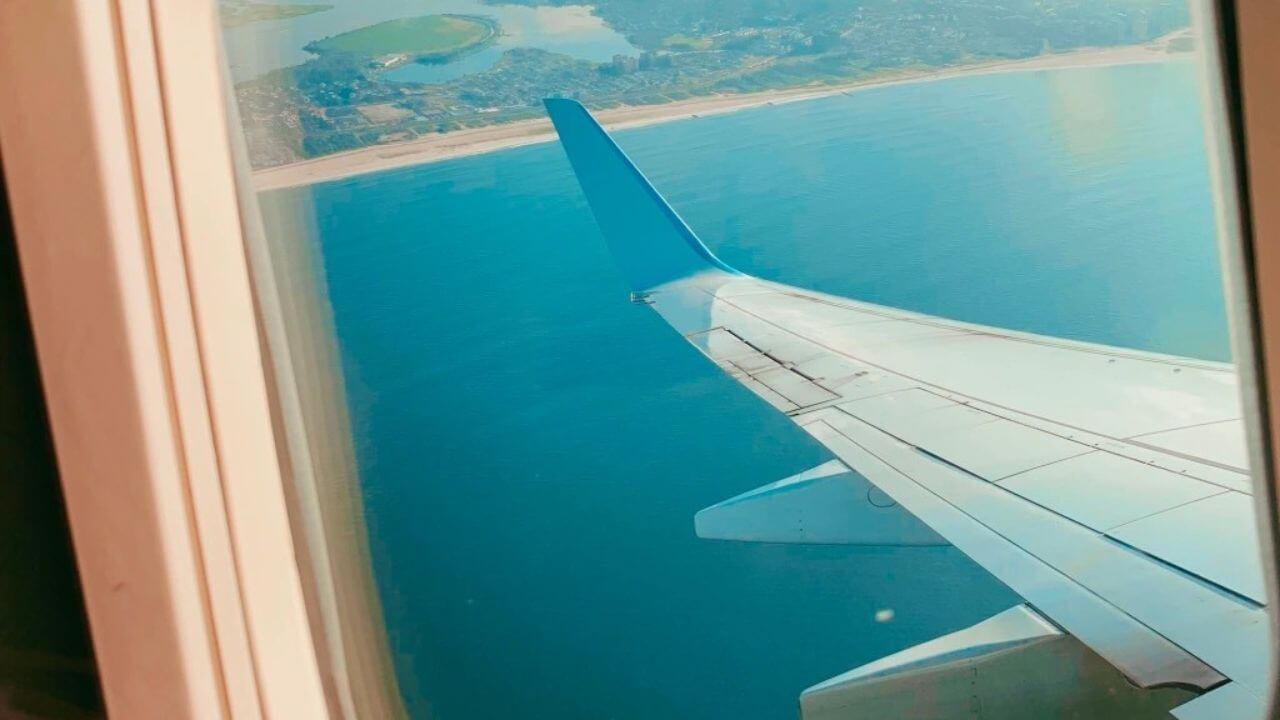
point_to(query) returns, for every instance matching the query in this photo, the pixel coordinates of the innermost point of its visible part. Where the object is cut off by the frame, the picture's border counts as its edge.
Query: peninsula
(346, 110)
(479, 140)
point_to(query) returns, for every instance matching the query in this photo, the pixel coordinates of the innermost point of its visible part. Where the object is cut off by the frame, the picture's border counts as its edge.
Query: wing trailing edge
(1012, 666)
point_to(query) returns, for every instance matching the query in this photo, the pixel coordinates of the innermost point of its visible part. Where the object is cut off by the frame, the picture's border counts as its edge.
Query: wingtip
(650, 241)
(559, 106)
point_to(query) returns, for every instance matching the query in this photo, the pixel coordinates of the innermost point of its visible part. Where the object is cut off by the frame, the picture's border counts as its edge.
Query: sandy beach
(475, 141)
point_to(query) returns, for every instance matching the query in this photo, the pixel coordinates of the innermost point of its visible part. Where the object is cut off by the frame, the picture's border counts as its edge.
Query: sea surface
(533, 446)
(572, 30)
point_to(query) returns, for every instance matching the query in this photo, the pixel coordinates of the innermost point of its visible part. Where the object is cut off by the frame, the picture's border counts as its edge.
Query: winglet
(650, 242)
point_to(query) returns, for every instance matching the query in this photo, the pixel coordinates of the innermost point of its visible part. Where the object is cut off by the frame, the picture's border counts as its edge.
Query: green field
(429, 36)
(235, 13)
(680, 41)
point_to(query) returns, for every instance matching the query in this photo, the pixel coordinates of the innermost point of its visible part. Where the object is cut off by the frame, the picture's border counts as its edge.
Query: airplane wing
(1107, 487)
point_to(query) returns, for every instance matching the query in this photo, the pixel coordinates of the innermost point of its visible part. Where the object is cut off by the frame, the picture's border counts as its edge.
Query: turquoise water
(534, 447)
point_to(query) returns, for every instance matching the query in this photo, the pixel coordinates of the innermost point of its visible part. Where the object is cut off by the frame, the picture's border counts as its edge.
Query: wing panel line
(1016, 336)
(930, 387)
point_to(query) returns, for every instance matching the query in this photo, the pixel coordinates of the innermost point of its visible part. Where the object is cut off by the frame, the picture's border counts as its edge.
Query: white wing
(1107, 487)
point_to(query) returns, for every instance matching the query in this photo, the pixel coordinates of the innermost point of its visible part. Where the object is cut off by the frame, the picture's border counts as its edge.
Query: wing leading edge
(1105, 486)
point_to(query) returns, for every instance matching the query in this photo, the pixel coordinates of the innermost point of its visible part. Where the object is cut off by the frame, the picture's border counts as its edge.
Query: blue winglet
(650, 242)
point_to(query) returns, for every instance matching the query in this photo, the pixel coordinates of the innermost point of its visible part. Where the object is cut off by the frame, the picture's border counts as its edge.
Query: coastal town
(342, 100)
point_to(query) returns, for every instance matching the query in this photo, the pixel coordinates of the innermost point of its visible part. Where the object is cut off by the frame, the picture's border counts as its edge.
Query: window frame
(128, 224)
(128, 219)
(1242, 86)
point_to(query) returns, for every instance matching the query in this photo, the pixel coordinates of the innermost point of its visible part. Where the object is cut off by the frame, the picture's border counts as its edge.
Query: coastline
(477, 141)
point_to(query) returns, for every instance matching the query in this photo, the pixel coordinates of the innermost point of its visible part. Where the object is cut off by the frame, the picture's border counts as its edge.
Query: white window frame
(120, 170)
(1246, 86)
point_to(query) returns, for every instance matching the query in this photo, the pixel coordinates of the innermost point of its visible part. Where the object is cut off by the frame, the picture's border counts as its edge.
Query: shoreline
(481, 140)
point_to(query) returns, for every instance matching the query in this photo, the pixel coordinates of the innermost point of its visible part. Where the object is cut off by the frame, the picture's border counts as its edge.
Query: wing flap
(1013, 666)
(1229, 701)
(1212, 538)
(1103, 490)
(957, 506)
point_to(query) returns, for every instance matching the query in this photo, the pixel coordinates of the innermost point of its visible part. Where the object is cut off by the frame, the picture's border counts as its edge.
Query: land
(476, 141)
(426, 39)
(235, 13)
(689, 53)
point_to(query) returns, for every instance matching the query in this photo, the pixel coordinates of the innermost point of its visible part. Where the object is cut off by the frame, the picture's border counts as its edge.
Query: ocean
(533, 446)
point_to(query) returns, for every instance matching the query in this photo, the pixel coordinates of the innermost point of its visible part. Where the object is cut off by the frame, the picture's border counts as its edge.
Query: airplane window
(687, 359)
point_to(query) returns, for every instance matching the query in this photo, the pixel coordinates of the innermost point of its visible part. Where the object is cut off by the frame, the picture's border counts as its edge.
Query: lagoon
(574, 30)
